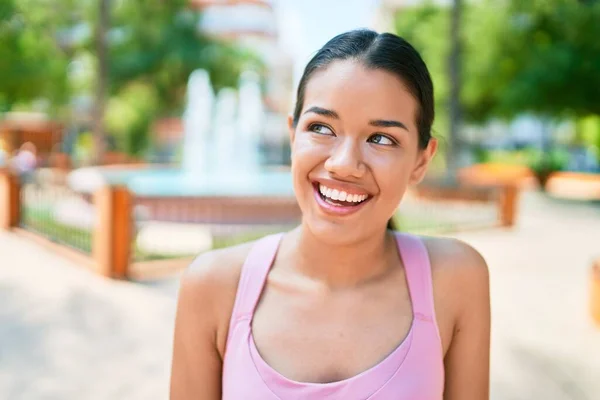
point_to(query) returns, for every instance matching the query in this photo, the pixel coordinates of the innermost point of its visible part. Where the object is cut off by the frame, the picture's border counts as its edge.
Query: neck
(342, 265)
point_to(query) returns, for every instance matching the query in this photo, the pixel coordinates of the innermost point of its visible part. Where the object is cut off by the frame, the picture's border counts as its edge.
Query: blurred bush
(542, 164)
(129, 115)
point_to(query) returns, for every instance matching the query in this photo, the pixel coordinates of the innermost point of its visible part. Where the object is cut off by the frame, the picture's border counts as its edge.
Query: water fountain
(250, 120)
(220, 156)
(220, 191)
(197, 123)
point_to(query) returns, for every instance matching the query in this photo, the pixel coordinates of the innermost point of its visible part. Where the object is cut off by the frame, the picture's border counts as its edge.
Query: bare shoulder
(208, 288)
(460, 286)
(216, 270)
(455, 259)
(206, 296)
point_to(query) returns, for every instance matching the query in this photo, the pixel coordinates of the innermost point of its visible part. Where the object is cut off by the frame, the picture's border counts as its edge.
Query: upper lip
(342, 186)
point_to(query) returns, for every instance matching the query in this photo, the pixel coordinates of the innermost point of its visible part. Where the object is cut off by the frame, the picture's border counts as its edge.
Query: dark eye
(320, 129)
(381, 139)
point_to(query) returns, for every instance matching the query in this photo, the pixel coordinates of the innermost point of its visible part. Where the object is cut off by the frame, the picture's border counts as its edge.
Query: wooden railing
(122, 236)
(110, 241)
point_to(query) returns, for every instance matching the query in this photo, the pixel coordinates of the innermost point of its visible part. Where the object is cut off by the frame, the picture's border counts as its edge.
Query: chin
(337, 233)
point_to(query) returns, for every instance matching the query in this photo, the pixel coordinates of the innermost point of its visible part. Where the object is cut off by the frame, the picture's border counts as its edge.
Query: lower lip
(336, 210)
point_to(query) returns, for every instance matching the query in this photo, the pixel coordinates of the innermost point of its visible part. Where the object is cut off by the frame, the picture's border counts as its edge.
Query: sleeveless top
(413, 371)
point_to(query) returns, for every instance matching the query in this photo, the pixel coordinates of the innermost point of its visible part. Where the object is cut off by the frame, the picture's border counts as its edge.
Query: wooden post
(509, 198)
(10, 200)
(595, 292)
(111, 247)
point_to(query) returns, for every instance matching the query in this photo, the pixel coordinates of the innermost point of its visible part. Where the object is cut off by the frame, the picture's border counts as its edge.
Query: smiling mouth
(339, 198)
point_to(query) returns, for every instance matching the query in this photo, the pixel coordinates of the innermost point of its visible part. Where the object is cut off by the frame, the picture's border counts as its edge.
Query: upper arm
(205, 301)
(467, 361)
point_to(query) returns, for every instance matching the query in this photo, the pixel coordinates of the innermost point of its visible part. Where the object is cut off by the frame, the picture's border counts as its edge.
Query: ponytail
(391, 225)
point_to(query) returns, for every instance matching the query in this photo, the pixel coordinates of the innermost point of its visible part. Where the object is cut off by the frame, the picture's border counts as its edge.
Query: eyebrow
(380, 123)
(323, 111)
(384, 123)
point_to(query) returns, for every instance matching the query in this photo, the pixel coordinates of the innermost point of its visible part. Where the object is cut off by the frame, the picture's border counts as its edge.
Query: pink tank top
(413, 371)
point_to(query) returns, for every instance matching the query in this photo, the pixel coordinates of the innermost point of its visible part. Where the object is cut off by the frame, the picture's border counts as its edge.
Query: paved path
(67, 334)
(544, 345)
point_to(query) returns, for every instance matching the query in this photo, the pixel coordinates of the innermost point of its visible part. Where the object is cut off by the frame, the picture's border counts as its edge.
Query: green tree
(102, 25)
(156, 46)
(545, 60)
(455, 80)
(539, 57)
(159, 42)
(427, 27)
(33, 58)
(121, 48)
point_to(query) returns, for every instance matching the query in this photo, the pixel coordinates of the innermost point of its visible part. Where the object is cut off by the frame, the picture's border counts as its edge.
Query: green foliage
(158, 43)
(128, 116)
(555, 160)
(84, 148)
(538, 56)
(39, 218)
(152, 49)
(155, 46)
(426, 27)
(483, 26)
(588, 132)
(547, 58)
(546, 163)
(32, 63)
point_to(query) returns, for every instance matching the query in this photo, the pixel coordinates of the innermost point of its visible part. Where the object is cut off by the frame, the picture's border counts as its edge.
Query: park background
(135, 135)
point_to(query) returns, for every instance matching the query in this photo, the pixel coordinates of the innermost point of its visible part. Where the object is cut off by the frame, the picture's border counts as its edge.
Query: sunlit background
(136, 134)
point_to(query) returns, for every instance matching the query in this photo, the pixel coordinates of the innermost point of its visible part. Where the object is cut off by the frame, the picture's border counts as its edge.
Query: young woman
(342, 307)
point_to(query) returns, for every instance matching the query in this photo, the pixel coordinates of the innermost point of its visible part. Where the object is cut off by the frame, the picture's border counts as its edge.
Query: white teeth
(341, 195)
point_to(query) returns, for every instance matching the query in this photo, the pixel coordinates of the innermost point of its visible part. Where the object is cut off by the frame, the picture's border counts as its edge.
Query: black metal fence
(51, 209)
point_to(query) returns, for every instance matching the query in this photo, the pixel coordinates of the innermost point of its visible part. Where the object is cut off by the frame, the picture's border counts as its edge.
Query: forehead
(351, 89)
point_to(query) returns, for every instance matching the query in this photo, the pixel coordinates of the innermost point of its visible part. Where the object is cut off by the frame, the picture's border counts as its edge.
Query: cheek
(306, 153)
(392, 175)
(306, 156)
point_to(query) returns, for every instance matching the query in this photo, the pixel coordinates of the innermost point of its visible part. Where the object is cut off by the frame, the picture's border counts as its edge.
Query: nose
(345, 160)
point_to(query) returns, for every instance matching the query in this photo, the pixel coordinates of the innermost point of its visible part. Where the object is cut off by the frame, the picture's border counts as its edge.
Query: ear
(423, 159)
(291, 128)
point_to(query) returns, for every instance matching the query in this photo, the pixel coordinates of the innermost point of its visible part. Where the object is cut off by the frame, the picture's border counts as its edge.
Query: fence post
(10, 200)
(111, 246)
(509, 197)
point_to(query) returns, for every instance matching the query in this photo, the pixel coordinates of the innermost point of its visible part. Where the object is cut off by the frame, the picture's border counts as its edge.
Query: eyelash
(312, 128)
(394, 141)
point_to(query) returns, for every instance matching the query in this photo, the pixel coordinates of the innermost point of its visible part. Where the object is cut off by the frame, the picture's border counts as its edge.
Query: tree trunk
(547, 145)
(101, 79)
(455, 112)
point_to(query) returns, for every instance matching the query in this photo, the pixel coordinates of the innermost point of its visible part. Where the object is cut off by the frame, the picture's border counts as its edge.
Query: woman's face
(355, 151)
